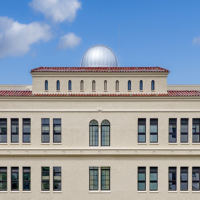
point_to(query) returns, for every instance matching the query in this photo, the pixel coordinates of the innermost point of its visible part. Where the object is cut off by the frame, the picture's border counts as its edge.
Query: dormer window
(117, 85)
(93, 85)
(105, 86)
(82, 85)
(69, 85)
(46, 85)
(58, 85)
(152, 85)
(129, 85)
(141, 85)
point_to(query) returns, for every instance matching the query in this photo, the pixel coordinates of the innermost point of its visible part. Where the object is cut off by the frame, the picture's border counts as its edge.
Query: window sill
(69, 90)
(57, 191)
(81, 90)
(26, 143)
(26, 191)
(57, 90)
(57, 143)
(195, 191)
(184, 191)
(153, 191)
(99, 191)
(152, 90)
(14, 143)
(93, 90)
(172, 143)
(117, 91)
(142, 191)
(172, 191)
(154, 143)
(141, 90)
(3, 191)
(14, 191)
(105, 90)
(46, 91)
(3, 143)
(45, 143)
(196, 143)
(184, 143)
(129, 91)
(45, 191)
(142, 143)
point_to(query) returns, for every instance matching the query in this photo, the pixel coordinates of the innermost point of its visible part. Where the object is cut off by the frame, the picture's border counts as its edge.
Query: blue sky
(153, 33)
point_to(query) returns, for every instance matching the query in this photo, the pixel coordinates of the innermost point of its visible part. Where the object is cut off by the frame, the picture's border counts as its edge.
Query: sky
(56, 33)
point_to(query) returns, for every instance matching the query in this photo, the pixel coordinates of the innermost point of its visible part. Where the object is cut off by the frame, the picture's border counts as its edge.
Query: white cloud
(69, 40)
(16, 38)
(57, 10)
(196, 40)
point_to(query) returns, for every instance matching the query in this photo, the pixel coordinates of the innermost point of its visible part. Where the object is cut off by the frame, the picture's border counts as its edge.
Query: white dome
(99, 56)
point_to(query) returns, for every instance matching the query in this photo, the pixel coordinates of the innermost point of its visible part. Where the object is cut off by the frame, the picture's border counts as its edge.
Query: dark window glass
(153, 178)
(3, 130)
(184, 178)
(3, 178)
(141, 85)
(93, 85)
(46, 85)
(172, 130)
(117, 85)
(195, 178)
(94, 133)
(58, 85)
(141, 130)
(153, 130)
(57, 178)
(129, 85)
(82, 85)
(15, 178)
(184, 130)
(105, 178)
(105, 133)
(69, 85)
(56, 130)
(172, 178)
(26, 178)
(152, 85)
(45, 179)
(93, 178)
(141, 178)
(45, 130)
(196, 131)
(105, 86)
(14, 130)
(26, 130)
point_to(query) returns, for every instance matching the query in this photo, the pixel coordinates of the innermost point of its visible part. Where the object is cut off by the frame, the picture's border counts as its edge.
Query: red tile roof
(170, 93)
(100, 69)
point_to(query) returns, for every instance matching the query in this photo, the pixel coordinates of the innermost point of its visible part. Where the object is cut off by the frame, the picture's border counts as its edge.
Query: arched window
(141, 85)
(105, 86)
(129, 85)
(69, 85)
(82, 85)
(93, 85)
(94, 133)
(58, 85)
(105, 133)
(117, 85)
(152, 85)
(46, 85)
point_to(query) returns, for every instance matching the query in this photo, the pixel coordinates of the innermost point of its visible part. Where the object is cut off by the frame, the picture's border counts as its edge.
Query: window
(184, 178)
(57, 178)
(196, 131)
(117, 85)
(58, 85)
(153, 178)
(129, 85)
(14, 130)
(82, 85)
(105, 178)
(152, 85)
(15, 178)
(141, 130)
(69, 85)
(141, 178)
(3, 178)
(141, 85)
(26, 130)
(153, 130)
(3, 130)
(93, 85)
(184, 130)
(45, 179)
(45, 130)
(94, 133)
(195, 178)
(93, 178)
(26, 178)
(105, 133)
(46, 85)
(172, 130)
(105, 85)
(172, 178)
(56, 130)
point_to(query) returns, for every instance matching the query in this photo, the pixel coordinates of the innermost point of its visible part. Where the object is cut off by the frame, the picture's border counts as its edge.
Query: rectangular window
(141, 178)
(14, 130)
(172, 130)
(195, 178)
(3, 130)
(172, 178)
(184, 130)
(57, 178)
(45, 179)
(45, 131)
(105, 178)
(94, 178)
(184, 178)
(141, 130)
(26, 178)
(26, 130)
(196, 131)
(57, 130)
(153, 178)
(3, 178)
(153, 130)
(15, 178)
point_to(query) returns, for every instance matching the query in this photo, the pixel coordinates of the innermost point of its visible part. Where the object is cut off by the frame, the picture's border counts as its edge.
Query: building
(99, 131)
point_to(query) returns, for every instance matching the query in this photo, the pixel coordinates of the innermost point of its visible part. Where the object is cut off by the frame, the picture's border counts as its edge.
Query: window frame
(117, 85)
(44, 133)
(58, 85)
(93, 85)
(141, 133)
(54, 133)
(93, 134)
(81, 85)
(4, 170)
(152, 85)
(197, 133)
(56, 181)
(129, 85)
(69, 85)
(26, 181)
(183, 181)
(153, 133)
(184, 133)
(139, 171)
(105, 85)
(153, 181)
(17, 129)
(14, 181)
(104, 142)
(26, 133)
(4, 123)
(106, 179)
(196, 181)
(172, 133)
(173, 170)
(42, 181)
(46, 85)
(96, 169)
(141, 85)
